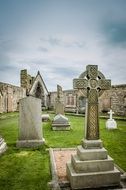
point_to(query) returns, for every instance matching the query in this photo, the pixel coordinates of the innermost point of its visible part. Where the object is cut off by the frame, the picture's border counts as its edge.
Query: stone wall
(74, 101)
(26, 80)
(9, 97)
(114, 98)
(69, 100)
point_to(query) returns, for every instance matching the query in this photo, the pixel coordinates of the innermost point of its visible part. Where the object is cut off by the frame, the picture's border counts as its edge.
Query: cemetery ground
(29, 168)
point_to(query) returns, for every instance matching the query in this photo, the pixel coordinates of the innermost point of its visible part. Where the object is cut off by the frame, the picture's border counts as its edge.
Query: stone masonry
(9, 97)
(114, 99)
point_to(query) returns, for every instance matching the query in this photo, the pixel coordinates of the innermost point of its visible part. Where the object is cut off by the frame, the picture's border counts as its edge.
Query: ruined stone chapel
(74, 101)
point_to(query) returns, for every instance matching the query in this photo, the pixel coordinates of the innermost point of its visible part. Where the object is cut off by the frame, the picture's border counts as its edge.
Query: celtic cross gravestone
(94, 81)
(91, 166)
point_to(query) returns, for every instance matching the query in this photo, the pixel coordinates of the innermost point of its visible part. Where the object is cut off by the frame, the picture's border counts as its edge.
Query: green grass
(24, 169)
(21, 169)
(29, 169)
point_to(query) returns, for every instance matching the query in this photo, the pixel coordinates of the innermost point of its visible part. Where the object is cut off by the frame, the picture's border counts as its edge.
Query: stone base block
(3, 146)
(92, 144)
(91, 154)
(92, 165)
(61, 127)
(92, 179)
(29, 143)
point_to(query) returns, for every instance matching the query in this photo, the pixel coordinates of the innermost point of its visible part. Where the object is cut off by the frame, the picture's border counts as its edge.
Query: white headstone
(30, 129)
(111, 123)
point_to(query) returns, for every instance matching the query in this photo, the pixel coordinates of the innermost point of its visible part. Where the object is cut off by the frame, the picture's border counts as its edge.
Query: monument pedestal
(91, 167)
(60, 123)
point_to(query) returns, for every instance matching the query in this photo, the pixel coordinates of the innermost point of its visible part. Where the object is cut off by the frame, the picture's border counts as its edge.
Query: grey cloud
(80, 44)
(51, 40)
(43, 49)
(66, 72)
(6, 65)
(41, 62)
(115, 33)
(54, 41)
(13, 45)
(9, 73)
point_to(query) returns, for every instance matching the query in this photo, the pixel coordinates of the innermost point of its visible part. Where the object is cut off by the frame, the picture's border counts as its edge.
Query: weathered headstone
(60, 122)
(111, 123)
(59, 104)
(91, 167)
(45, 117)
(30, 129)
(3, 145)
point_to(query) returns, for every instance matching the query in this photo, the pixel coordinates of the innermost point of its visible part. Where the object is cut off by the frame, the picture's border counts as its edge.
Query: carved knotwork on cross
(95, 83)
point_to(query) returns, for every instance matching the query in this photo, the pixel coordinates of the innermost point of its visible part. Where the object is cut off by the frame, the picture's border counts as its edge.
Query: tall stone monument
(59, 104)
(91, 167)
(60, 122)
(30, 129)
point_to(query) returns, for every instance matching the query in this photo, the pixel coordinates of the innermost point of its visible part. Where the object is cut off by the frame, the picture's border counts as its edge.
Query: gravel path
(61, 158)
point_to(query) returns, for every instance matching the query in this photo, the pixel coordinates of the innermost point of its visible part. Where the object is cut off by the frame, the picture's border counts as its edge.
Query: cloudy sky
(60, 37)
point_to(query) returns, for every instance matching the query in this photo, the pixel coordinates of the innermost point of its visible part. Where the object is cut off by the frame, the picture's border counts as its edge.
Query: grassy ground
(29, 169)
(21, 169)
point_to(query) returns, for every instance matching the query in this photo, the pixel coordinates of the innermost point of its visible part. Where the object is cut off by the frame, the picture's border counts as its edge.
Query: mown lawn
(29, 169)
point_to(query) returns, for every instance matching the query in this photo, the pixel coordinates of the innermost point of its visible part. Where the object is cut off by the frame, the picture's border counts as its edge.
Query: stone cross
(94, 81)
(59, 93)
(110, 112)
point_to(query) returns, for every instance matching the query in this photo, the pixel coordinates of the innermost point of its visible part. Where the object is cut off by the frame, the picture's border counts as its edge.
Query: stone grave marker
(30, 130)
(60, 122)
(45, 117)
(111, 123)
(91, 167)
(59, 104)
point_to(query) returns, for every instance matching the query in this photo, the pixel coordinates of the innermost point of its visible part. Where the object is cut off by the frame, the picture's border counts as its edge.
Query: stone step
(92, 154)
(92, 179)
(92, 165)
